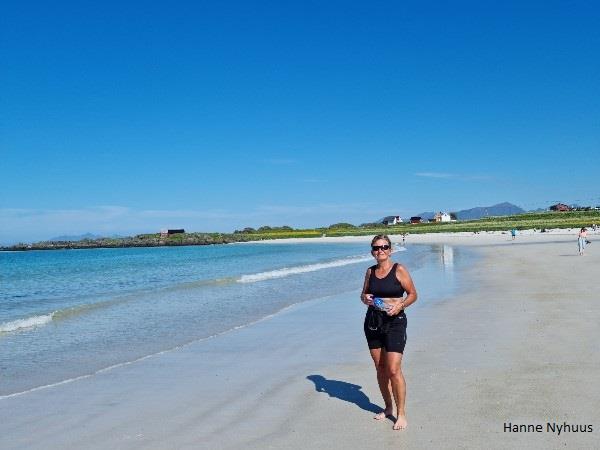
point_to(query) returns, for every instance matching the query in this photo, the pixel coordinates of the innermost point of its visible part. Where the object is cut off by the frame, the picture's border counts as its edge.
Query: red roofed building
(560, 207)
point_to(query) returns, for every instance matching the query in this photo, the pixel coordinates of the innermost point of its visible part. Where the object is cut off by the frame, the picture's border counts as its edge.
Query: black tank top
(389, 286)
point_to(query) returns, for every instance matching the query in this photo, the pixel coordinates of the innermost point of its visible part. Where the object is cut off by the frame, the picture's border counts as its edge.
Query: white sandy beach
(519, 345)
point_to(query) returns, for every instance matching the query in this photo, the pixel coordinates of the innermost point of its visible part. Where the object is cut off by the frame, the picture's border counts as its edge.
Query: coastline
(521, 352)
(524, 227)
(458, 238)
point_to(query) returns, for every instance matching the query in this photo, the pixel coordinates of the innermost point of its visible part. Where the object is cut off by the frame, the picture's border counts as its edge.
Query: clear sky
(127, 117)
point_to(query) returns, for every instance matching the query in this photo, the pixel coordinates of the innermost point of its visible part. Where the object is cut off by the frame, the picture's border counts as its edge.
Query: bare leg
(379, 358)
(394, 372)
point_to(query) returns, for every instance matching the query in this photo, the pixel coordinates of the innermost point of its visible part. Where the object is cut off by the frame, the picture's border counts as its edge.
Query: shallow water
(64, 314)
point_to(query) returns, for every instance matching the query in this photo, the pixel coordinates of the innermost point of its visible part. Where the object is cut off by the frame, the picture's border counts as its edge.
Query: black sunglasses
(374, 248)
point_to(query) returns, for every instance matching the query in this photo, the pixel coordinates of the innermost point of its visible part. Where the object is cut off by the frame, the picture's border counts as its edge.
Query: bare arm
(409, 287)
(367, 299)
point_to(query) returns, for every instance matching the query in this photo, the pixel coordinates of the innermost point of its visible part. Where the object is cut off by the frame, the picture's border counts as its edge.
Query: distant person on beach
(513, 233)
(385, 330)
(582, 240)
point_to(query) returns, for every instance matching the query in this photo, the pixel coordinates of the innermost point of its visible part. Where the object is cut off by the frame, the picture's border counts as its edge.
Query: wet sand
(518, 345)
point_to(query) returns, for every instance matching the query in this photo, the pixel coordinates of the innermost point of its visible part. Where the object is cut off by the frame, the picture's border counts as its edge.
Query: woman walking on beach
(582, 240)
(385, 324)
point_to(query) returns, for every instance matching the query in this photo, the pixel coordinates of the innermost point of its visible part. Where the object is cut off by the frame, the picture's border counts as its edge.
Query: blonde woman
(385, 325)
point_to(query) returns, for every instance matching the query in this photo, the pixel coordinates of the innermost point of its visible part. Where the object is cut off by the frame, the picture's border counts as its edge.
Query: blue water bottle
(379, 304)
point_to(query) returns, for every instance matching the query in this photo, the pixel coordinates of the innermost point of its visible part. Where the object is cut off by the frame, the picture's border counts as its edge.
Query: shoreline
(222, 240)
(474, 361)
(482, 238)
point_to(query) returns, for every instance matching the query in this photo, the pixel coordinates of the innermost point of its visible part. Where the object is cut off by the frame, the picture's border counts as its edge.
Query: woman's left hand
(396, 308)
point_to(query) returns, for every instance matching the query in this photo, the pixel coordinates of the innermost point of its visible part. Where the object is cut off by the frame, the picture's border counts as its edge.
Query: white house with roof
(391, 220)
(442, 217)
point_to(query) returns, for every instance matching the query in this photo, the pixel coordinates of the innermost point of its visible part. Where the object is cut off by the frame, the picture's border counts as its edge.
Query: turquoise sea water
(65, 314)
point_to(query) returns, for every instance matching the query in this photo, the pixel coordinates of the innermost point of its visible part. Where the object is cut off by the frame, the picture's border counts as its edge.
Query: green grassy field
(544, 220)
(540, 221)
(547, 220)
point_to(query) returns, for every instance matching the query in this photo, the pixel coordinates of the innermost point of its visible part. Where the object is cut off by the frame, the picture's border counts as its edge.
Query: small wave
(287, 271)
(56, 316)
(86, 308)
(29, 322)
(152, 355)
(201, 283)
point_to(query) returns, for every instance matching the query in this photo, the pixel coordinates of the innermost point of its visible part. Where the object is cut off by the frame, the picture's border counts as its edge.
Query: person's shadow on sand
(347, 392)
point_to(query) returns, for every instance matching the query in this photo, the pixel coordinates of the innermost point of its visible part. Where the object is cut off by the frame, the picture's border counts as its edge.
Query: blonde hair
(381, 236)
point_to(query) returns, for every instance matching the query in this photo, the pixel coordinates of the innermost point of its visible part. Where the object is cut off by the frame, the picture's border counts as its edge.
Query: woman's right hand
(367, 299)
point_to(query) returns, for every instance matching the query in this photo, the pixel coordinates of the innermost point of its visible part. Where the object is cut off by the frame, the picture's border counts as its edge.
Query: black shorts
(383, 331)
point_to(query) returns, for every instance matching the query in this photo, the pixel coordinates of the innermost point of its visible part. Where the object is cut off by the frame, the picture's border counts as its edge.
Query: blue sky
(125, 117)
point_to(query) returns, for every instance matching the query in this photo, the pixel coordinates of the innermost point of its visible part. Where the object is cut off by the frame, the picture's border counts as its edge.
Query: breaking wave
(28, 322)
(287, 271)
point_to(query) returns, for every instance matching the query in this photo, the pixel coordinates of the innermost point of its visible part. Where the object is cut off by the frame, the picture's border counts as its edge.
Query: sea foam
(287, 271)
(29, 322)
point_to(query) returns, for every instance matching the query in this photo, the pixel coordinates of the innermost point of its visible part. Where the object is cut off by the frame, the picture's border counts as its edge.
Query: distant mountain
(426, 215)
(501, 209)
